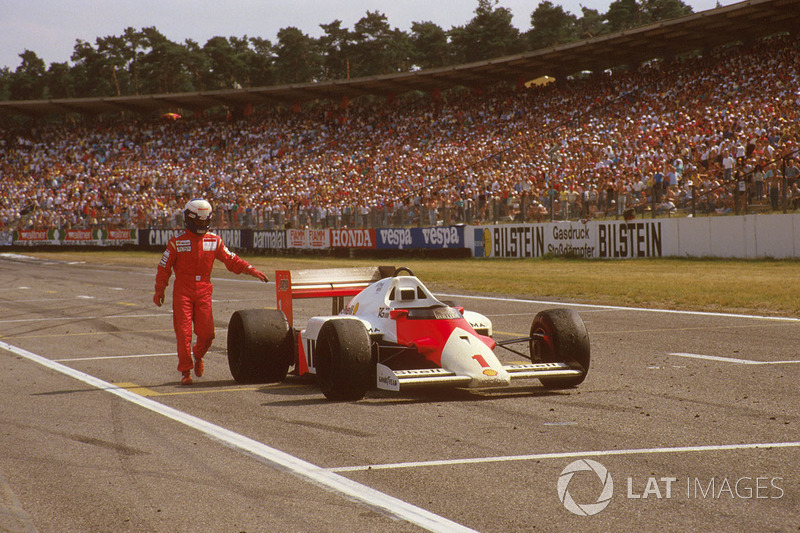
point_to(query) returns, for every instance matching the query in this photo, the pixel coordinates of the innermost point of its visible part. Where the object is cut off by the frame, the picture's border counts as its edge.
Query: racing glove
(258, 274)
(158, 299)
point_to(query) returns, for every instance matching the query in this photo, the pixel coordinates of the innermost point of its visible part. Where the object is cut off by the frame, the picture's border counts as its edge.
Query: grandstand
(741, 22)
(673, 131)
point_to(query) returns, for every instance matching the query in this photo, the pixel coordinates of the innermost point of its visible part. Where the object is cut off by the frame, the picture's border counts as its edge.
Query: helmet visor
(196, 224)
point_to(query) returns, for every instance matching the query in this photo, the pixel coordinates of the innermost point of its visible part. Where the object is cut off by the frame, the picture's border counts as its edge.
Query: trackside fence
(742, 236)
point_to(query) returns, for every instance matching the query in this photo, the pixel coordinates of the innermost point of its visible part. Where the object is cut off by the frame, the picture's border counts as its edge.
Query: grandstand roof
(744, 21)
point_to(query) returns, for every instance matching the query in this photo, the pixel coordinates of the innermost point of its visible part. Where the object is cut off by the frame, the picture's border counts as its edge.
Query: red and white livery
(394, 334)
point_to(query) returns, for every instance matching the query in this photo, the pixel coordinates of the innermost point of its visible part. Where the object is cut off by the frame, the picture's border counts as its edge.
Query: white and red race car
(394, 334)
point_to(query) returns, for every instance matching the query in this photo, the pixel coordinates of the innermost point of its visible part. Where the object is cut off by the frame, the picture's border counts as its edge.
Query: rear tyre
(560, 336)
(345, 370)
(260, 346)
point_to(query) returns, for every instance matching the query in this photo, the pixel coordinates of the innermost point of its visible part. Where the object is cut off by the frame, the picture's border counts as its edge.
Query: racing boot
(187, 378)
(199, 367)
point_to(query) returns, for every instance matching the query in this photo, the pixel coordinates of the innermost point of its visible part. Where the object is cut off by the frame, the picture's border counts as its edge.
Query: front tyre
(345, 370)
(560, 336)
(260, 346)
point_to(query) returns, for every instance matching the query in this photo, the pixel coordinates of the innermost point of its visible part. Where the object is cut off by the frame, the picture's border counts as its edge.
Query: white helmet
(197, 216)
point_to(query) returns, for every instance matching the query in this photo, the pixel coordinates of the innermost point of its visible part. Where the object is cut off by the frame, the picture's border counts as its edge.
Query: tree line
(144, 61)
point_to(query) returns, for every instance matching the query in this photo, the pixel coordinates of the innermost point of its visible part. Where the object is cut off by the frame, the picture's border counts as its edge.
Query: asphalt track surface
(687, 421)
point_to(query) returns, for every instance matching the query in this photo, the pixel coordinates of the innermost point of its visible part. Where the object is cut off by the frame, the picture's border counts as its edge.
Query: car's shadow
(303, 391)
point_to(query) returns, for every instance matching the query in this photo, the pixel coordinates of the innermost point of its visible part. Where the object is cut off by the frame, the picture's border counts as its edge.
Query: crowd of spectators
(662, 137)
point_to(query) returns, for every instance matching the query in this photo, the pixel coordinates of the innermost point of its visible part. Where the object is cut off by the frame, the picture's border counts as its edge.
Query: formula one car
(394, 334)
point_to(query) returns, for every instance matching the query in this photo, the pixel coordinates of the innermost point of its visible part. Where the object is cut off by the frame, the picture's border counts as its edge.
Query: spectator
(414, 160)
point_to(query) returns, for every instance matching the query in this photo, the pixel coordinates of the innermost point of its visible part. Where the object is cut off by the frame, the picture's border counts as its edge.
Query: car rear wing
(334, 283)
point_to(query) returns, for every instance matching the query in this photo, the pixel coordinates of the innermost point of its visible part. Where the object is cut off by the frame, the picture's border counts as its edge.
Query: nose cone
(466, 355)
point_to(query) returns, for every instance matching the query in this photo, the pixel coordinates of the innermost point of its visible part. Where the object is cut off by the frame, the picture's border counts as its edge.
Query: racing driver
(191, 254)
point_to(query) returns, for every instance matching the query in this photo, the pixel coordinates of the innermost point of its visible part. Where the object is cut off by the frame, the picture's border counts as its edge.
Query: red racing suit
(192, 256)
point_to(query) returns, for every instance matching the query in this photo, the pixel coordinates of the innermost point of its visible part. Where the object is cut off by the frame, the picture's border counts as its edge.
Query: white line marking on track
(99, 357)
(108, 317)
(10, 255)
(733, 359)
(569, 455)
(509, 314)
(231, 300)
(620, 308)
(50, 299)
(320, 476)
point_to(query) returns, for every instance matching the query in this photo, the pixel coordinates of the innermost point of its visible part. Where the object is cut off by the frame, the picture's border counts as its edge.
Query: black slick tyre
(560, 336)
(260, 346)
(345, 369)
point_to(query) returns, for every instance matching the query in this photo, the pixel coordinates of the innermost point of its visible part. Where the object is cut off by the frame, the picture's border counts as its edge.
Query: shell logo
(489, 372)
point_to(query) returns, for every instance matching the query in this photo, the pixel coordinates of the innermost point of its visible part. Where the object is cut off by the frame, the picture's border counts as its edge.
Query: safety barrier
(745, 236)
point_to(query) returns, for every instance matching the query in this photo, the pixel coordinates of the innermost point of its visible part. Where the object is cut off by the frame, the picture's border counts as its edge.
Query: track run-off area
(687, 420)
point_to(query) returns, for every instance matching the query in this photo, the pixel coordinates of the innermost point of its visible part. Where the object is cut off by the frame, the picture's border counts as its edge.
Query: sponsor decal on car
(386, 379)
